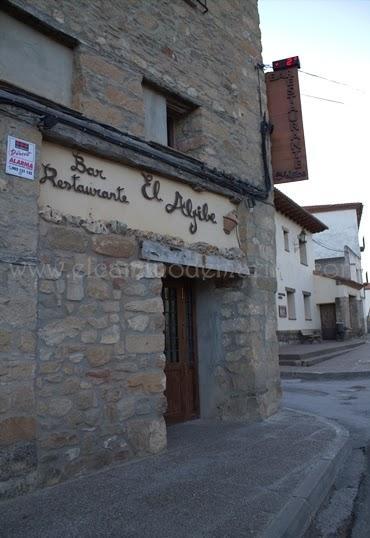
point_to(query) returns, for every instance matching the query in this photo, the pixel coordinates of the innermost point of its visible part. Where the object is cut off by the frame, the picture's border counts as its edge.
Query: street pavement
(225, 480)
(347, 401)
(215, 480)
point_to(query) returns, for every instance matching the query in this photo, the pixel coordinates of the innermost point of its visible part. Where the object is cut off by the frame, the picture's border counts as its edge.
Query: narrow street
(348, 403)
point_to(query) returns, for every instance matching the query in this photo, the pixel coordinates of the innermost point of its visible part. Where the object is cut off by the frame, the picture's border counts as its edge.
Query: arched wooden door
(180, 350)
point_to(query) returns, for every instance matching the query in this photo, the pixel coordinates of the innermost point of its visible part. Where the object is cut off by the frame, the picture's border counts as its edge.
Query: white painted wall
(326, 290)
(367, 303)
(343, 230)
(292, 274)
(355, 267)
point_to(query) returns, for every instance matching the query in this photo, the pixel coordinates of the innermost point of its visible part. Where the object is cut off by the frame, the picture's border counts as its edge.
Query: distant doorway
(328, 321)
(180, 350)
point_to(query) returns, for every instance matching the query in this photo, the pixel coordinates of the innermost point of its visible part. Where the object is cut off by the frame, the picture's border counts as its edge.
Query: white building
(297, 310)
(319, 275)
(337, 253)
(367, 306)
(343, 222)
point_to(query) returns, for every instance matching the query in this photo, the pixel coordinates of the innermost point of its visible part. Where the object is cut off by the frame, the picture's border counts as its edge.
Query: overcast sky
(332, 39)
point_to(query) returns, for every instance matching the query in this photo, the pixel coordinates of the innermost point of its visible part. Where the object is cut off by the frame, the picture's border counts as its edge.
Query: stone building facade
(86, 246)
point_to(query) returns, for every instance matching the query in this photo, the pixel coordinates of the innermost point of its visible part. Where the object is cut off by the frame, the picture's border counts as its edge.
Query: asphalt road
(347, 402)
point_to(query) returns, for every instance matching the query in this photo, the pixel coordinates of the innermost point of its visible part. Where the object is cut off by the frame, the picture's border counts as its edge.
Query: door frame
(333, 307)
(191, 408)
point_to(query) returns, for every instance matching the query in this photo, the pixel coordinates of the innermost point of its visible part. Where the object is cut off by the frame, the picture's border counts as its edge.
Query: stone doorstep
(296, 516)
(302, 373)
(313, 360)
(295, 355)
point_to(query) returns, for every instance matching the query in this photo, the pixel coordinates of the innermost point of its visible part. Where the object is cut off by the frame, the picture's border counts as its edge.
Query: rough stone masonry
(81, 315)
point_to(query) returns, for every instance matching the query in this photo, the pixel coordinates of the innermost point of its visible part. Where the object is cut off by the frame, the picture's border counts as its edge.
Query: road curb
(324, 375)
(294, 519)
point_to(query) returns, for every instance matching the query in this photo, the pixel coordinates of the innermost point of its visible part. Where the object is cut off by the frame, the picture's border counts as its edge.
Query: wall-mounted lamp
(230, 222)
(302, 237)
(362, 249)
(250, 203)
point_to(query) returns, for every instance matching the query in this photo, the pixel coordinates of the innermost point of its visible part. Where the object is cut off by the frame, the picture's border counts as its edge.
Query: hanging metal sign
(288, 151)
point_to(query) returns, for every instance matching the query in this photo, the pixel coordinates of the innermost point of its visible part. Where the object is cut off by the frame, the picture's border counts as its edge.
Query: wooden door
(328, 321)
(180, 350)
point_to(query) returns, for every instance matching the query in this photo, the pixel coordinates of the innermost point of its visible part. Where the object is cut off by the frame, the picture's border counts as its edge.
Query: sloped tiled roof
(286, 206)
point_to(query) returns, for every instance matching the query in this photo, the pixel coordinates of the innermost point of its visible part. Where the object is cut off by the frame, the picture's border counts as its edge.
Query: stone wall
(18, 318)
(209, 59)
(350, 312)
(100, 378)
(82, 353)
(236, 339)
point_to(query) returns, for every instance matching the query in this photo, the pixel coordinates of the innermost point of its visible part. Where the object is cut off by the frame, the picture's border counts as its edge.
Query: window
(286, 239)
(164, 115)
(35, 62)
(155, 108)
(302, 241)
(307, 305)
(290, 295)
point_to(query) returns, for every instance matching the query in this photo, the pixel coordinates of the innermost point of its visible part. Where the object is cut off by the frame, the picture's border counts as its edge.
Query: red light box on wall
(287, 63)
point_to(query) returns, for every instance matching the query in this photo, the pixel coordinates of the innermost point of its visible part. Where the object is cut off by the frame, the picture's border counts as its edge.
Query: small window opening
(307, 306)
(302, 239)
(290, 294)
(286, 239)
(164, 112)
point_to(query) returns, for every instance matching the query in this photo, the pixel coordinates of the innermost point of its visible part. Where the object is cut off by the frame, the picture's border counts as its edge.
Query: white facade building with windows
(367, 307)
(295, 264)
(337, 252)
(319, 275)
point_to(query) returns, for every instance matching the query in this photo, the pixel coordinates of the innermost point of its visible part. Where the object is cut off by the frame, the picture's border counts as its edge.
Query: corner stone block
(146, 305)
(151, 343)
(147, 436)
(149, 381)
(16, 429)
(114, 246)
(137, 323)
(63, 238)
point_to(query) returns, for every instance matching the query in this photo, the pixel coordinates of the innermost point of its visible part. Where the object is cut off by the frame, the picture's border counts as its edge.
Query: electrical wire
(331, 80)
(322, 98)
(325, 246)
(268, 66)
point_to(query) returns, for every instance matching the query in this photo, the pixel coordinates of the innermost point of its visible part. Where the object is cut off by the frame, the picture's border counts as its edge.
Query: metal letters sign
(288, 152)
